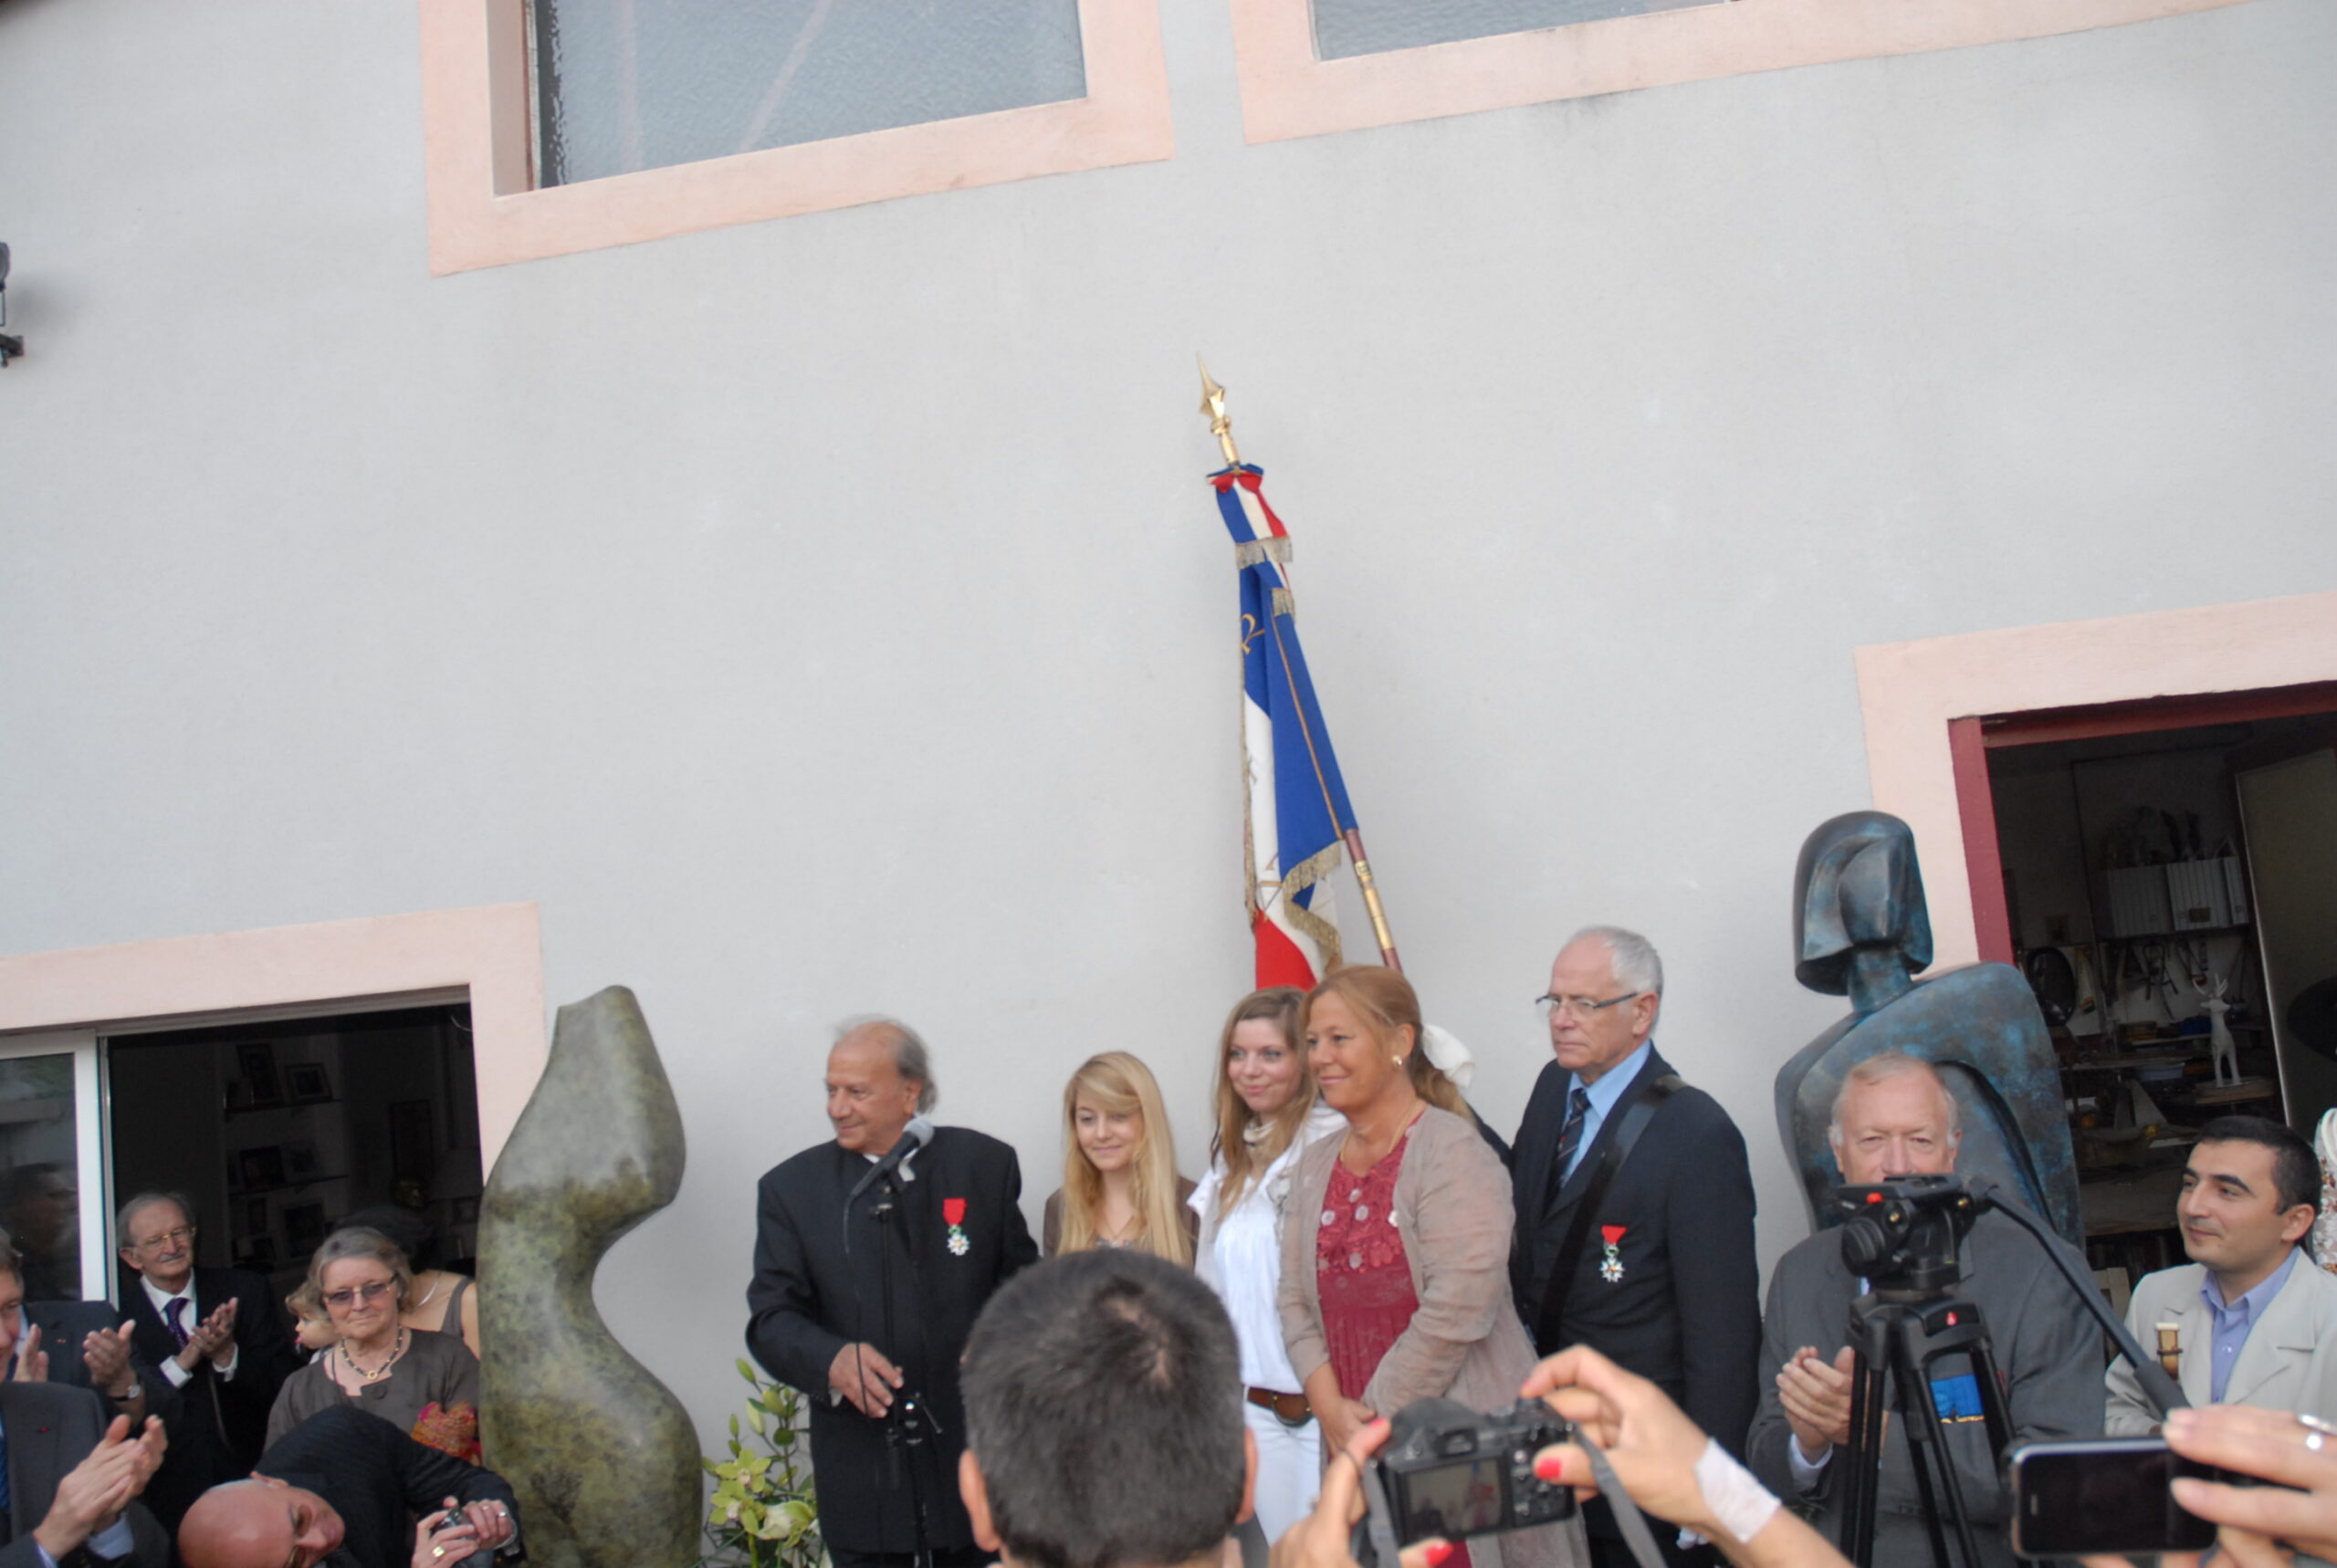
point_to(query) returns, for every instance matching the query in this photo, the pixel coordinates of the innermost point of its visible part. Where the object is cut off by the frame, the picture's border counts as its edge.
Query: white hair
(1635, 962)
(1880, 1068)
(910, 1059)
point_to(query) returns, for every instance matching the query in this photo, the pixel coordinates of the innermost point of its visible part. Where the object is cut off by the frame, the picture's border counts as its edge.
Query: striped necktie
(1569, 1137)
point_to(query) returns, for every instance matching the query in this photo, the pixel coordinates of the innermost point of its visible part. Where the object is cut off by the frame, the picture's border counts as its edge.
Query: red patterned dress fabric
(1364, 1277)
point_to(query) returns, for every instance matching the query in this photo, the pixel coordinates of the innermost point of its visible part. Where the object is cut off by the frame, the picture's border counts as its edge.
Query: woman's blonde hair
(1117, 1083)
(1245, 1162)
(358, 1241)
(1387, 1004)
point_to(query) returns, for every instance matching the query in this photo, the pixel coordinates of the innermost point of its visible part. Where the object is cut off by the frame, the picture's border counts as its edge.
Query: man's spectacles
(1581, 1006)
(366, 1292)
(157, 1243)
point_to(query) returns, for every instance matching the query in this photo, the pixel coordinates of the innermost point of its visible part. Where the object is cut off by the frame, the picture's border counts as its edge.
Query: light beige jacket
(2290, 1362)
(1466, 1343)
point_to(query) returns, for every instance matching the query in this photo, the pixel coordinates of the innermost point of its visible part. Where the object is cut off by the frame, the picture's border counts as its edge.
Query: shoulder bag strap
(1635, 1115)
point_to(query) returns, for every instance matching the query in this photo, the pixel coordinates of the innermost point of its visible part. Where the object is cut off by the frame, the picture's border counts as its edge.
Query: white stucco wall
(829, 614)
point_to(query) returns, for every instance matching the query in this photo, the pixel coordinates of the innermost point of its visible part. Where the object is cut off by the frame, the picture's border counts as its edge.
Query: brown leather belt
(1290, 1409)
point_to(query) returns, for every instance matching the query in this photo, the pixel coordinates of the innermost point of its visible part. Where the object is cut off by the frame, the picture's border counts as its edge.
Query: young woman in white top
(1266, 1113)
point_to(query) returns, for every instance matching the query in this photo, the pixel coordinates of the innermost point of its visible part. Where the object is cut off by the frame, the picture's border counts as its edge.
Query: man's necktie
(1569, 1136)
(171, 1315)
(5, 1501)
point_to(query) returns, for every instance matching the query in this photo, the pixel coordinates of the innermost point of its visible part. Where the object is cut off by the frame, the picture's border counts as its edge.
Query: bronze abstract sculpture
(1861, 930)
(603, 1456)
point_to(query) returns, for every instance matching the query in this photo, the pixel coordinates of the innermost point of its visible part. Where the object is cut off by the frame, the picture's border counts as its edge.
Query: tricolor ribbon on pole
(1298, 824)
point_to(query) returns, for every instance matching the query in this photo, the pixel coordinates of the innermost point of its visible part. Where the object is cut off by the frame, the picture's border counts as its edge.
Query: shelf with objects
(2131, 891)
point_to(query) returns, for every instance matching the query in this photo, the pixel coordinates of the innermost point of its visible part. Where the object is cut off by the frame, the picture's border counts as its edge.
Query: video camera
(1902, 1236)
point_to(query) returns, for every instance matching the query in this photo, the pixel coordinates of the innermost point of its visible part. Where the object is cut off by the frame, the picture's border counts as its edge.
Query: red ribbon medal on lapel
(1610, 1267)
(953, 1212)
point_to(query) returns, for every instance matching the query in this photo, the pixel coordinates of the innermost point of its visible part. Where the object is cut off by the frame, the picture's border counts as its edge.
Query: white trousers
(1290, 1470)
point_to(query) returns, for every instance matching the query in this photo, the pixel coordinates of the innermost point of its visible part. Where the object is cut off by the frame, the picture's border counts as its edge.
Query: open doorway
(2169, 884)
(278, 1131)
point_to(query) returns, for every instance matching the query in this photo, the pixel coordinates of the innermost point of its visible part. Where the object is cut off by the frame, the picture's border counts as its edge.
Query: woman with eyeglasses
(423, 1384)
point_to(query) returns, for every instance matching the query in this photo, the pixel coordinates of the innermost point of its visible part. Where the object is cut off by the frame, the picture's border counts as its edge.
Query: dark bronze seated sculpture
(1861, 930)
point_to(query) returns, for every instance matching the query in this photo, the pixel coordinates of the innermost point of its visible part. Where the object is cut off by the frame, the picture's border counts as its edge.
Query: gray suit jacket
(2290, 1362)
(51, 1428)
(2048, 1351)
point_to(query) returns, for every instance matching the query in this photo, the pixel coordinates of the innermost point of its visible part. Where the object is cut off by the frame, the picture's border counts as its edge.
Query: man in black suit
(337, 1489)
(1645, 1251)
(70, 1472)
(864, 1292)
(214, 1336)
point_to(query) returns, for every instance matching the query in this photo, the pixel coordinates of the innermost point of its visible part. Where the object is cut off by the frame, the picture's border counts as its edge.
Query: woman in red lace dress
(1395, 1275)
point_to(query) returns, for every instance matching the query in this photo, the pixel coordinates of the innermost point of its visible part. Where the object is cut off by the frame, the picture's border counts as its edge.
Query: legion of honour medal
(1610, 1267)
(953, 1209)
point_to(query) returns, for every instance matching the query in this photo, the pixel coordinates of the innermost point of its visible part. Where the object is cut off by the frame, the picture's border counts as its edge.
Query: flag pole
(1220, 424)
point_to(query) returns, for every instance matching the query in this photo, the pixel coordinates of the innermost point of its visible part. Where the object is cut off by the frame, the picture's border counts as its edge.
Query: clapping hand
(106, 1352)
(93, 1493)
(213, 1337)
(32, 1362)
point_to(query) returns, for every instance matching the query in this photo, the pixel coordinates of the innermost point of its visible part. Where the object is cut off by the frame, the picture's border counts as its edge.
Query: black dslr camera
(1447, 1470)
(1902, 1236)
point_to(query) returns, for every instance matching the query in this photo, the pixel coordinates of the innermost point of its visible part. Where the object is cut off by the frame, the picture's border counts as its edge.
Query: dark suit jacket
(65, 1325)
(380, 1481)
(2048, 1353)
(810, 1300)
(1687, 1312)
(225, 1424)
(51, 1428)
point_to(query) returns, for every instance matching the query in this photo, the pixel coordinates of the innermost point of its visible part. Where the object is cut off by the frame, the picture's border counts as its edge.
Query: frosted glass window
(1345, 27)
(641, 84)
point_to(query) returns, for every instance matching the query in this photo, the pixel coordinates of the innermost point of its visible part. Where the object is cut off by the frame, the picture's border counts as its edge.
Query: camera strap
(1634, 1115)
(1627, 1517)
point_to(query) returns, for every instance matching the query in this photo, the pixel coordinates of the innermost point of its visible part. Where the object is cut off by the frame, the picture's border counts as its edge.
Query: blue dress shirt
(2234, 1322)
(1603, 1095)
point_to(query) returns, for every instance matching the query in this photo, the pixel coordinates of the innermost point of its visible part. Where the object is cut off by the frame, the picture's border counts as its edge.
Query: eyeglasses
(367, 1292)
(1581, 1006)
(167, 1238)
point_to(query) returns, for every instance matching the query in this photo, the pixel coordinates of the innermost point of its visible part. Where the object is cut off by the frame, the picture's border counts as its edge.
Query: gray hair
(910, 1059)
(145, 1200)
(360, 1242)
(1883, 1067)
(1635, 964)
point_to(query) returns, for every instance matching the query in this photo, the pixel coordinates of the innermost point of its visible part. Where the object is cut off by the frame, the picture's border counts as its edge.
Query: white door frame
(91, 1168)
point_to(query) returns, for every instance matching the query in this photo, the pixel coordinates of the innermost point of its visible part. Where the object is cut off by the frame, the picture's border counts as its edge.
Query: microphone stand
(901, 1419)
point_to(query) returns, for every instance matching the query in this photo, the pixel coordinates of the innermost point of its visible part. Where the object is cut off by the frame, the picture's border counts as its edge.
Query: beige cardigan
(1464, 1343)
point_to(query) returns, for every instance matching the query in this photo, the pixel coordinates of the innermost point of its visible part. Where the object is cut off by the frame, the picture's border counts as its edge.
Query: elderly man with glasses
(213, 1335)
(1634, 1207)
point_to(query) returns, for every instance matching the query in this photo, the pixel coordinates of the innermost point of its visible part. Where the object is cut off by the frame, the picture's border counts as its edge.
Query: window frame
(1286, 93)
(485, 210)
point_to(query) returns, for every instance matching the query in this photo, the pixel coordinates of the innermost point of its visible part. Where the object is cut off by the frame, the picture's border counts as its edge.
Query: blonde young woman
(1120, 1185)
(1267, 1113)
(1394, 1264)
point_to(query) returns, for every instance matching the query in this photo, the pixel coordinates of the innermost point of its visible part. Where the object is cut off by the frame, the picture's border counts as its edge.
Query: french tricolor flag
(1298, 820)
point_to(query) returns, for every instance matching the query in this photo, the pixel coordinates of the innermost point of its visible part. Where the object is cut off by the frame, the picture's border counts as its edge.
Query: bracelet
(1739, 1504)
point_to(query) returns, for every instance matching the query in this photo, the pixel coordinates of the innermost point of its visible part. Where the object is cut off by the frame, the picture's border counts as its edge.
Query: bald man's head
(263, 1522)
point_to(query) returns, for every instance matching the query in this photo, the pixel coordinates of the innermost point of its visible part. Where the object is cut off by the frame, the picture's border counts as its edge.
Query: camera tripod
(1896, 1337)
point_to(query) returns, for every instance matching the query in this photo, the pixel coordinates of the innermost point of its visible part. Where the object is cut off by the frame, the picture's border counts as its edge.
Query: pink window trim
(1287, 92)
(1912, 694)
(476, 128)
(494, 955)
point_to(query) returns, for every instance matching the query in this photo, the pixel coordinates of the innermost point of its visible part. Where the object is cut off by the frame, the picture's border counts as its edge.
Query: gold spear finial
(1219, 423)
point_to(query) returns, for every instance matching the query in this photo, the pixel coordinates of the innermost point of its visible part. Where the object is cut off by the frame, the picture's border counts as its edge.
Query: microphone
(915, 1136)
